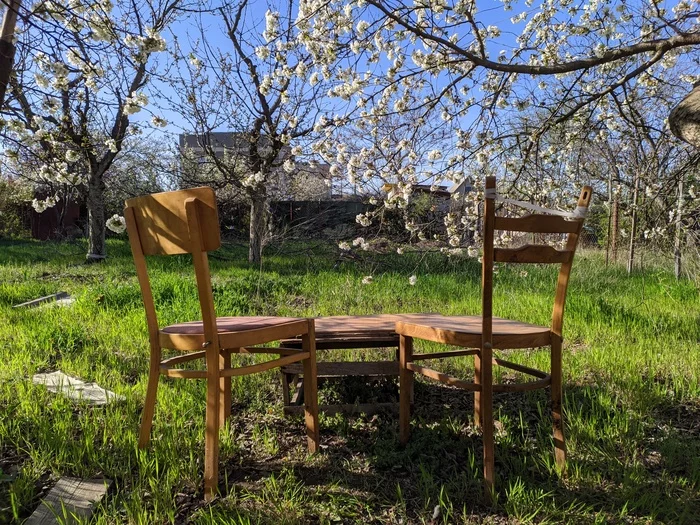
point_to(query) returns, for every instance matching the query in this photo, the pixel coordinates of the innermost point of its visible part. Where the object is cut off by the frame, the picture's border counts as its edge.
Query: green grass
(632, 366)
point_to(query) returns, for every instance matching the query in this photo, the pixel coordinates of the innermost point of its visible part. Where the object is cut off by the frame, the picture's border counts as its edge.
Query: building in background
(307, 182)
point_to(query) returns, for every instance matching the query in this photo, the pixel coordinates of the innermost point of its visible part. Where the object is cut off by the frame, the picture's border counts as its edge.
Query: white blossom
(42, 205)
(116, 223)
(158, 122)
(111, 145)
(289, 166)
(363, 220)
(262, 52)
(272, 19)
(135, 103)
(72, 155)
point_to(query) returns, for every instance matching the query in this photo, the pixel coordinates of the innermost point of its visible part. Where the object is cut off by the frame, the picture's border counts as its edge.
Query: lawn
(631, 376)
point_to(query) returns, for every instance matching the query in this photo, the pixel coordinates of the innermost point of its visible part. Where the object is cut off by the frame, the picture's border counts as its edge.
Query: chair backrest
(169, 223)
(162, 225)
(530, 253)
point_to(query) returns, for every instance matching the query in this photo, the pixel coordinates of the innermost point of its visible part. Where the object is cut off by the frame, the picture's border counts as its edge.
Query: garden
(358, 158)
(631, 390)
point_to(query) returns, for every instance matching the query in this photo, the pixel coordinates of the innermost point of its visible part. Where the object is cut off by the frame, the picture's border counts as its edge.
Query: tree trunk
(7, 48)
(258, 228)
(608, 242)
(633, 233)
(96, 218)
(678, 241)
(615, 225)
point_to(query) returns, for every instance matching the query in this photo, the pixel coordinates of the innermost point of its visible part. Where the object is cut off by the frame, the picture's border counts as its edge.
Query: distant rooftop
(234, 140)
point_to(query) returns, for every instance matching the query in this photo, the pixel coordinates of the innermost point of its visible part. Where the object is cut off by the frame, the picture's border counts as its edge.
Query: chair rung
(443, 378)
(536, 223)
(440, 355)
(182, 358)
(531, 253)
(269, 350)
(261, 367)
(182, 374)
(226, 372)
(523, 387)
(349, 368)
(520, 368)
(544, 378)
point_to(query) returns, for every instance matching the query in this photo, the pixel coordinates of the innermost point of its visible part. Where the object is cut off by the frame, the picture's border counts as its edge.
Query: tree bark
(678, 241)
(96, 218)
(633, 233)
(258, 228)
(610, 242)
(7, 48)
(615, 225)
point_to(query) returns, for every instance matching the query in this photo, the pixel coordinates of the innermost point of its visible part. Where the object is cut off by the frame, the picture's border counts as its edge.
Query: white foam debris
(74, 388)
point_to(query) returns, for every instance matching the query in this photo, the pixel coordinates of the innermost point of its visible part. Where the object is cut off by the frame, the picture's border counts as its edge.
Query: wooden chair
(187, 221)
(481, 334)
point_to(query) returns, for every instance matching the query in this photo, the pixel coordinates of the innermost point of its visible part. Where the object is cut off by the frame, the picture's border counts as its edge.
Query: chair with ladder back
(480, 335)
(186, 221)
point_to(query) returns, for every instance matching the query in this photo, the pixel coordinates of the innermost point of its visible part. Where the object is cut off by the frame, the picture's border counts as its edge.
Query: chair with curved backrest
(186, 221)
(481, 334)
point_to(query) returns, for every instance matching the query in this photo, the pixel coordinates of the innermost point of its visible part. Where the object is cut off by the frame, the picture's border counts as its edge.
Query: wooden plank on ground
(70, 501)
(74, 388)
(349, 368)
(41, 300)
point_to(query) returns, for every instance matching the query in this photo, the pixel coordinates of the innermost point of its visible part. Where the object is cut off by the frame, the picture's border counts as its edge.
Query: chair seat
(365, 325)
(229, 324)
(466, 331)
(360, 331)
(190, 335)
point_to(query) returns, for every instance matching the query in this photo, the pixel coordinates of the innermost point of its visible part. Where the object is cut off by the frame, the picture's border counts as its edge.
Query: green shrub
(14, 209)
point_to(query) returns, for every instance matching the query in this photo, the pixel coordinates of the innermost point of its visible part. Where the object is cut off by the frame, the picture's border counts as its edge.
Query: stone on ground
(70, 501)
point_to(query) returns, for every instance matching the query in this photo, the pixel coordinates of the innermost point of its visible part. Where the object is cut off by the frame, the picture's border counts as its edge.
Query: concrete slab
(74, 388)
(69, 501)
(41, 300)
(66, 301)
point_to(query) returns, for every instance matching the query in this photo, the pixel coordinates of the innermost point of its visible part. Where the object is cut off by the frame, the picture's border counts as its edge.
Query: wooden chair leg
(286, 380)
(150, 403)
(557, 414)
(405, 387)
(487, 425)
(211, 432)
(477, 393)
(224, 388)
(311, 389)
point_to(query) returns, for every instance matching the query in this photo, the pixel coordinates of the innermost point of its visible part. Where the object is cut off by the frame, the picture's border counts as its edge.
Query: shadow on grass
(625, 465)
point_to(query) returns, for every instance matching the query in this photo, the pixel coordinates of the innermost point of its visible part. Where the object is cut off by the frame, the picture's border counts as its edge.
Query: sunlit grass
(632, 361)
